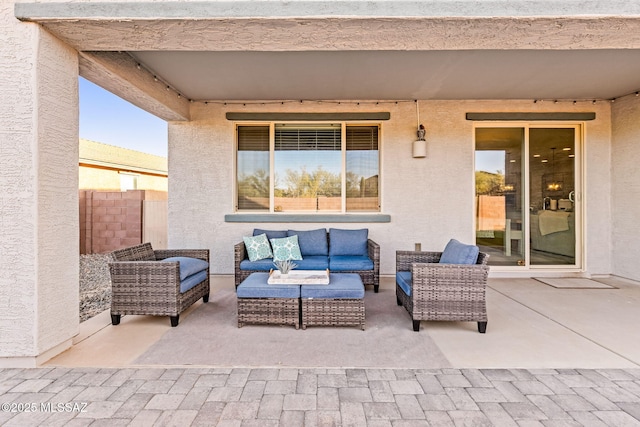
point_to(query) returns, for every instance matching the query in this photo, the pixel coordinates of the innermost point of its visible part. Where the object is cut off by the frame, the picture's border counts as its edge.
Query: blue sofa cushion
(348, 242)
(459, 253)
(192, 280)
(350, 263)
(403, 279)
(260, 265)
(341, 286)
(312, 242)
(271, 234)
(188, 266)
(256, 286)
(313, 262)
(286, 248)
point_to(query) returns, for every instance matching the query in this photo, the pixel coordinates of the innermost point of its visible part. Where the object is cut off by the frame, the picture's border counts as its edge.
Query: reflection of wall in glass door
(552, 170)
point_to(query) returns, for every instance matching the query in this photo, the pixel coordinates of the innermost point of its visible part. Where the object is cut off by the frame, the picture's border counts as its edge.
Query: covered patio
(210, 68)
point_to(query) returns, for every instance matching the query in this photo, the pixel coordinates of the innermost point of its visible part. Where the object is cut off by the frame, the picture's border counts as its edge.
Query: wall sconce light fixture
(420, 146)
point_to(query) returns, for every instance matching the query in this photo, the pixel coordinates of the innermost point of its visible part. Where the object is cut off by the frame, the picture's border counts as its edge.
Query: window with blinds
(252, 166)
(362, 166)
(308, 168)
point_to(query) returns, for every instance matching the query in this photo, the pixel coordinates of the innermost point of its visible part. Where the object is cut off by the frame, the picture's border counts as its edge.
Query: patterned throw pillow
(286, 248)
(257, 247)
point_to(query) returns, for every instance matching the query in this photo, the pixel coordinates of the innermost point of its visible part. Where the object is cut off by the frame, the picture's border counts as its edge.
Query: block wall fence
(111, 220)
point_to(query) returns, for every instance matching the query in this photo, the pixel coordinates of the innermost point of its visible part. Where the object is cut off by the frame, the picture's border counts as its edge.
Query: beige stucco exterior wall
(101, 164)
(38, 154)
(625, 186)
(430, 200)
(109, 180)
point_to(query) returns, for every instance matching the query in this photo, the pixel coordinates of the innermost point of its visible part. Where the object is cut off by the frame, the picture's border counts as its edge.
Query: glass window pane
(552, 172)
(253, 168)
(362, 170)
(307, 163)
(499, 195)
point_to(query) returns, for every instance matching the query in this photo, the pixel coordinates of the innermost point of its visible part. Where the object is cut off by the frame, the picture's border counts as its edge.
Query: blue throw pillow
(312, 242)
(286, 248)
(271, 234)
(459, 253)
(348, 242)
(189, 266)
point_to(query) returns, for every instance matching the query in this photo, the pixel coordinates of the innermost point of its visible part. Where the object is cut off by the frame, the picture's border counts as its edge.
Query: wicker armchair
(449, 292)
(142, 284)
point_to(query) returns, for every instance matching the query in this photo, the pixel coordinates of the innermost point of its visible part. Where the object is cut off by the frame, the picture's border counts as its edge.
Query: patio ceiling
(349, 50)
(393, 75)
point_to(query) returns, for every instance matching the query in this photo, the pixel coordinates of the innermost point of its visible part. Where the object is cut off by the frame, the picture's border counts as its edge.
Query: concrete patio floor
(531, 325)
(550, 357)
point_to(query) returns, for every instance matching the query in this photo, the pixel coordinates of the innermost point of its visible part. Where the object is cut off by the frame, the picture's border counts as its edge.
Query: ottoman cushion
(256, 286)
(341, 286)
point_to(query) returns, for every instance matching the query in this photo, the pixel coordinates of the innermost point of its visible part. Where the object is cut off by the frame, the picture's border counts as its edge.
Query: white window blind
(307, 137)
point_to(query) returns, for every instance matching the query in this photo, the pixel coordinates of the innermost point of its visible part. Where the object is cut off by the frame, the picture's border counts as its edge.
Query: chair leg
(482, 327)
(115, 319)
(416, 325)
(174, 321)
(398, 301)
(205, 298)
(375, 288)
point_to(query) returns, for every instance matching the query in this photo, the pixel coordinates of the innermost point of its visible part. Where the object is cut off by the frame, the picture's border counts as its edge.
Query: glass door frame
(579, 138)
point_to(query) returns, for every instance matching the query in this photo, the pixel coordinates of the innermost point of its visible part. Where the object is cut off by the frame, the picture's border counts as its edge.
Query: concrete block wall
(111, 220)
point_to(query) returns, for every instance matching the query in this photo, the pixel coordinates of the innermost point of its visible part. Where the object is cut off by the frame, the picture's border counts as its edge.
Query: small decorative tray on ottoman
(299, 277)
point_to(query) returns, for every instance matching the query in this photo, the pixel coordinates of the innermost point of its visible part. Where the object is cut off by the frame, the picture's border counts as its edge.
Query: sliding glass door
(552, 192)
(526, 183)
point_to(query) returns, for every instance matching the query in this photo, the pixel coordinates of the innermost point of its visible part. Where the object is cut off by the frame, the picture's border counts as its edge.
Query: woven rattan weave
(332, 312)
(269, 311)
(141, 283)
(449, 292)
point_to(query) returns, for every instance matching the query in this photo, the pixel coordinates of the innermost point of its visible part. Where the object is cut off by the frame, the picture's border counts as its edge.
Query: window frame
(343, 169)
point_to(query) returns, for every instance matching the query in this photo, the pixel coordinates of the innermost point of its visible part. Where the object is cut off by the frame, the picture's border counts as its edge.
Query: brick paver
(318, 397)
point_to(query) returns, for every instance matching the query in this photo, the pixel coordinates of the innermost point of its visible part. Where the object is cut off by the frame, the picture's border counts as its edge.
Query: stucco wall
(38, 177)
(625, 186)
(430, 200)
(109, 180)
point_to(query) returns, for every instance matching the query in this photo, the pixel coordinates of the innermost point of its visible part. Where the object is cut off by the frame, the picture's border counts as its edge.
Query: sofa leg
(416, 325)
(482, 327)
(205, 298)
(115, 319)
(174, 321)
(375, 288)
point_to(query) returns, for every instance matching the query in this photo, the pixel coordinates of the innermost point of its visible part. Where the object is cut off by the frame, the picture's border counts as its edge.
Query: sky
(490, 161)
(107, 118)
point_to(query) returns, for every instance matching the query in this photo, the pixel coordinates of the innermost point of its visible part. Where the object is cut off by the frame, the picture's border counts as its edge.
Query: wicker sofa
(429, 290)
(151, 282)
(314, 259)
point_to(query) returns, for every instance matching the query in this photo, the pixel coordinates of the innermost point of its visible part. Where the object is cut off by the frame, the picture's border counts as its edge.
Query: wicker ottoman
(340, 303)
(261, 303)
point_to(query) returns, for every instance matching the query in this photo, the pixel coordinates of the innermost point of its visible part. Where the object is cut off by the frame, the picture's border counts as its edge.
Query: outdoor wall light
(420, 146)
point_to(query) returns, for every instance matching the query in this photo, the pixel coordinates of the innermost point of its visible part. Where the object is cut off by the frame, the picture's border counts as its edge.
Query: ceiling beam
(344, 34)
(335, 25)
(323, 9)
(120, 74)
